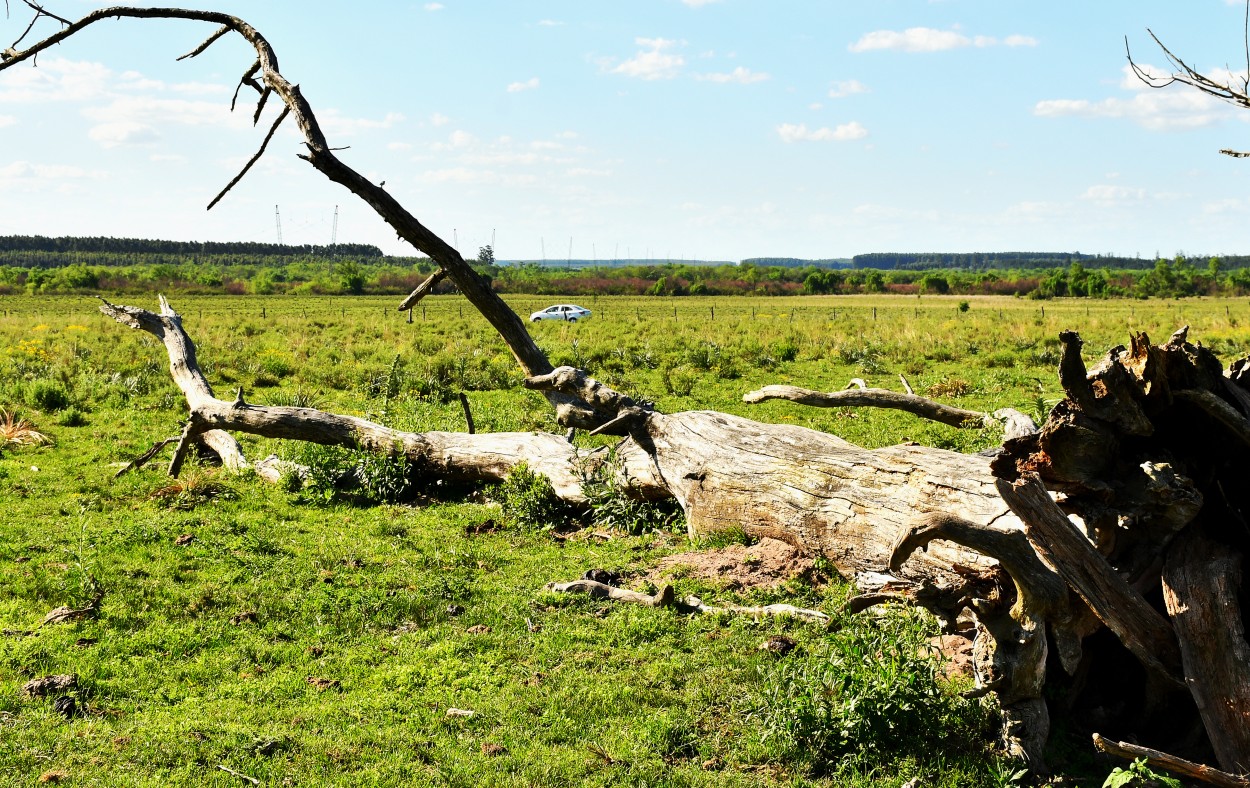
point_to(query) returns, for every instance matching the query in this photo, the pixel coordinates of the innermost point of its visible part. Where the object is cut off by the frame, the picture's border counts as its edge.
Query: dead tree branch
(1162, 760)
(255, 158)
(925, 408)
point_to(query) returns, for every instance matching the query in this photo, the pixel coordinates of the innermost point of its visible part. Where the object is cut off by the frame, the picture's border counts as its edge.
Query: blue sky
(711, 129)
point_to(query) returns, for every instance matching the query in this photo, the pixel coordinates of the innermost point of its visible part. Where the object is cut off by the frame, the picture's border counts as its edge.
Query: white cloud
(792, 132)
(913, 39)
(587, 172)
(133, 80)
(26, 170)
(55, 79)
(1158, 110)
(458, 139)
(200, 88)
(847, 87)
(146, 110)
(1229, 205)
(652, 62)
(123, 133)
(1018, 40)
(928, 39)
(740, 75)
(529, 84)
(699, 3)
(439, 119)
(335, 123)
(1106, 194)
(434, 6)
(549, 23)
(7, 120)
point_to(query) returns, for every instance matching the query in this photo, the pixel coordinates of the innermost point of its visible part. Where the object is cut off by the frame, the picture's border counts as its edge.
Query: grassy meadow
(320, 636)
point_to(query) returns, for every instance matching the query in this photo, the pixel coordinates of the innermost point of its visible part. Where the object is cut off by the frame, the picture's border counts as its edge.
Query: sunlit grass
(232, 606)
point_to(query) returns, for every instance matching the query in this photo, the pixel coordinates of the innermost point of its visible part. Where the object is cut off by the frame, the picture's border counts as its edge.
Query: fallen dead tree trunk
(1053, 553)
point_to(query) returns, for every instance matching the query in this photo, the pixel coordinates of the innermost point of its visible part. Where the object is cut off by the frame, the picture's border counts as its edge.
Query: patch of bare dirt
(768, 563)
(956, 652)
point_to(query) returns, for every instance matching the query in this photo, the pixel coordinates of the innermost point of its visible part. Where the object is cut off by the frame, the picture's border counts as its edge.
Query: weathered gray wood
(1201, 587)
(873, 398)
(422, 290)
(1139, 626)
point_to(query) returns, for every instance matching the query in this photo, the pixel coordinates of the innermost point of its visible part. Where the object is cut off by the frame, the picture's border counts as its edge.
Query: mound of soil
(768, 563)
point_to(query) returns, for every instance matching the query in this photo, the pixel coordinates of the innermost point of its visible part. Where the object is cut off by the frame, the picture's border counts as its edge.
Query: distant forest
(34, 264)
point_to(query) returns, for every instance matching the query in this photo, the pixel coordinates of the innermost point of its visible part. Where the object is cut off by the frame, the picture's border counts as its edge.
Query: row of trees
(986, 261)
(146, 246)
(391, 276)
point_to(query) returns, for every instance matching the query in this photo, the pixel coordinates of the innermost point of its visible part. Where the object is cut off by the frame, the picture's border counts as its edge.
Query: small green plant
(724, 537)
(610, 507)
(529, 502)
(963, 306)
(72, 417)
(1138, 775)
(680, 381)
(47, 396)
(333, 472)
(786, 350)
(196, 485)
(868, 690)
(1006, 774)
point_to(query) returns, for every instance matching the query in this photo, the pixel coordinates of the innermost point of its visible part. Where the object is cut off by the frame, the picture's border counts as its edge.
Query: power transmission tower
(277, 220)
(334, 231)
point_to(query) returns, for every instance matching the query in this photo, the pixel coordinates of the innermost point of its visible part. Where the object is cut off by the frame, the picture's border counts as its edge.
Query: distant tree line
(128, 270)
(796, 262)
(130, 246)
(973, 261)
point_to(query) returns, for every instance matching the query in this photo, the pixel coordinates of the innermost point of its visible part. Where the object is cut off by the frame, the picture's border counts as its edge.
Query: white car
(569, 312)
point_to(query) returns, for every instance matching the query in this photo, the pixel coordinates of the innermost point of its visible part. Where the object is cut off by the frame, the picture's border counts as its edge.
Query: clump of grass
(869, 691)
(331, 473)
(724, 537)
(786, 350)
(530, 503)
(72, 417)
(680, 381)
(949, 388)
(17, 431)
(47, 396)
(196, 486)
(611, 508)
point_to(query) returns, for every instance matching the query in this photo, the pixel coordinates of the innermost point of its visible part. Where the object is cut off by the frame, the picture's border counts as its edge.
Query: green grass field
(304, 637)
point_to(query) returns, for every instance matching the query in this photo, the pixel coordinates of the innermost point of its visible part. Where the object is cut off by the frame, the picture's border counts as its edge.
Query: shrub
(334, 472)
(786, 350)
(868, 689)
(610, 507)
(1139, 773)
(17, 431)
(72, 417)
(679, 381)
(529, 502)
(47, 396)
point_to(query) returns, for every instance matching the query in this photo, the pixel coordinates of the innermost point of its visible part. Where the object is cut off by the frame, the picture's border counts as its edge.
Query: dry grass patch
(20, 432)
